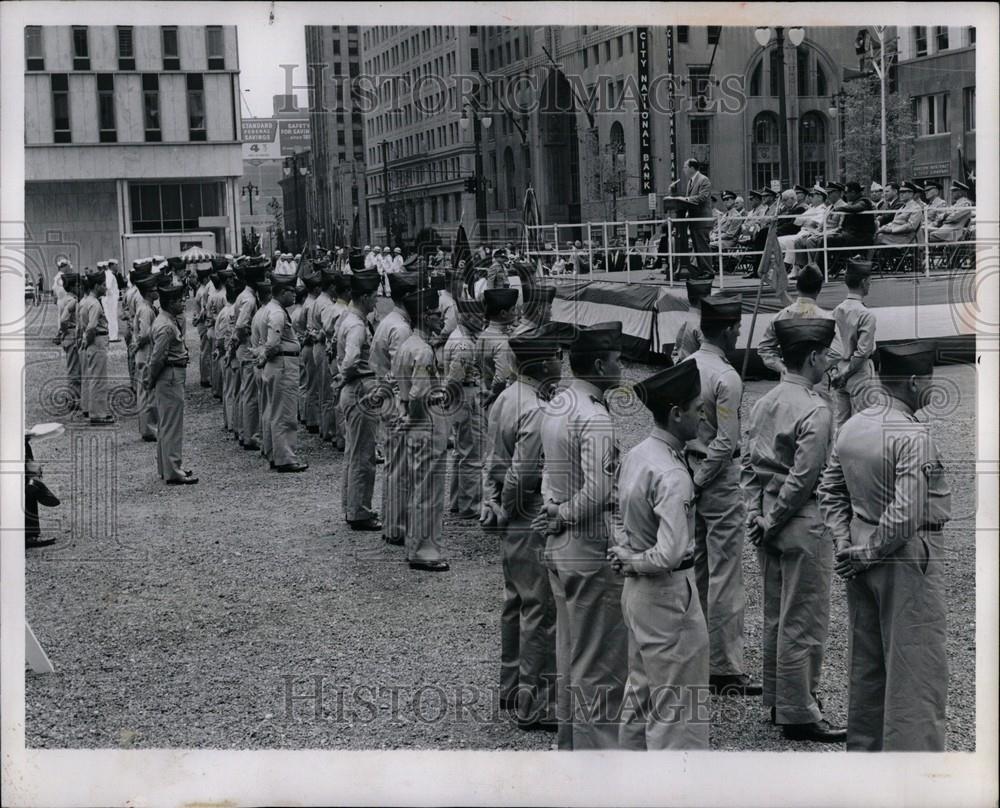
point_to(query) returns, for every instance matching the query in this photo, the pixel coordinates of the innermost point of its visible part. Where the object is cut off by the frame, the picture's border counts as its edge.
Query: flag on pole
(772, 261)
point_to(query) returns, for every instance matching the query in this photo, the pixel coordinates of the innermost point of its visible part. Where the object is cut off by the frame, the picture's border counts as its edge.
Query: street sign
(652, 202)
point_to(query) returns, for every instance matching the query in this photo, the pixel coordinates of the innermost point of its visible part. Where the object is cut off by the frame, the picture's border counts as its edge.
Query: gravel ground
(240, 613)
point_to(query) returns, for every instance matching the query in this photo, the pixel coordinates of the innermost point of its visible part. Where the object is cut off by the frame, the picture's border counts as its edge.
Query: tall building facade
(421, 129)
(333, 59)
(937, 72)
(131, 130)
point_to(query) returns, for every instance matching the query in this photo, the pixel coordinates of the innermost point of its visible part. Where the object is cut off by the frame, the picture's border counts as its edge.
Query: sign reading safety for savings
(274, 138)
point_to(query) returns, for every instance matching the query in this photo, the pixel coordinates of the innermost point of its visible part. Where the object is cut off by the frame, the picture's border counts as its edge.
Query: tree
(860, 135)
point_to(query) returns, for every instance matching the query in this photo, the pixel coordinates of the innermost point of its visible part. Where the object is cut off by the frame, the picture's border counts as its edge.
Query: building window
(699, 131)
(151, 107)
(607, 50)
(972, 35)
(757, 78)
(33, 52)
(172, 207)
(106, 108)
(941, 35)
(586, 60)
(81, 48)
(802, 72)
(509, 178)
(765, 160)
(196, 106)
(126, 48)
(821, 84)
(969, 109)
(171, 54)
(60, 109)
(920, 40)
(215, 48)
(474, 58)
(714, 32)
(682, 34)
(699, 85)
(812, 148)
(931, 114)
(774, 72)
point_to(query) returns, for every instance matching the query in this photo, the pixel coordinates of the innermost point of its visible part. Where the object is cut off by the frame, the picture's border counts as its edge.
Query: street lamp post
(478, 124)
(795, 36)
(295, 170)
(249, 191)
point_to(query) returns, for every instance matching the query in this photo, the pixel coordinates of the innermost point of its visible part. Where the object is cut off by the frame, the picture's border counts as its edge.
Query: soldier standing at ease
(129, 304)
(279, 361)
(214, 301)
(460, 369)
(492, 348)
(94, 326)
(167, 371)
(537, 308)
(852, 378)
(258, 336)
(230, 368)
(69, 338)
(886, 499)
(331, 327)
(201, 322)
(688, 339)
(254, 271)
(425, 430)
(581, 464)
(353, 341)
(141, 330)
(514, 476)
(310, 276)
(321, 313)
(808, 283)
(719, 522)
(790, 430)
(666, 697)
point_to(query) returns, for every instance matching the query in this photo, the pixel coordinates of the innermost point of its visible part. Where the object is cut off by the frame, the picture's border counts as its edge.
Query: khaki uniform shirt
(391, 332)
(168, 344)
(281, 337)
(353, 345)
(459, 358)
(719, 427)
(142, 328)
(769, 350)
(855, 340)
(243, 311)
(494, 357)
(514, 464)
(67, 319)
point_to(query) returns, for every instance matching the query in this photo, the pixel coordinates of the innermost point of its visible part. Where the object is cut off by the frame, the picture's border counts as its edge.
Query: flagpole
(756, 304)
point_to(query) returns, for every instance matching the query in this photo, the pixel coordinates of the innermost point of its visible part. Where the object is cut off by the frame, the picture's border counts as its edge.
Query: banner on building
(274, 138)
(645, 120)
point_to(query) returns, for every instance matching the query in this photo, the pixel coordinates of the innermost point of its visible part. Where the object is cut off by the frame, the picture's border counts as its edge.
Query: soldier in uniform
(310, 393)
(94, 326)
(666, 695)
(461, 369)
(321, 313)
(790, 430)
(331, 325)
(166, 374)
(215, 300)
(258, 336)
(279, 362)
(718, 558)
(355, 377)
(496, 275)
(513, 493)
(492, 348)
(906, 221)
(886, 499)
(578, 486)
(230, 367)
(537, 308)
(69, 338)
(129, 304)
(808, 284)
(201, 322)
(953, 224)
(254, 271)
(392, 331)
(441, 282)
(424, 428)
(688, 339)
(144, 316)
(933, 210)
(853, 375)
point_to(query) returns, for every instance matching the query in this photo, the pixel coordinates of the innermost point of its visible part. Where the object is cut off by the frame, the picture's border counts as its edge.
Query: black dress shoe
(430, 566)
(394, 541)
(371, 523)
(312, 430)
(272, 464)
(252, 447)
(149, 439)
(774, 717)
(189, 480)
(206, 384)
(820, 732)
(537, 724)
(736, 684)
(291, 468)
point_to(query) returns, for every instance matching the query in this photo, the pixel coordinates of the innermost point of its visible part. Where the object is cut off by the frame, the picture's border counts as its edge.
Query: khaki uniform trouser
(324, 401)
(335, 424)
(718, 564)
(467, 466)
(145, 399)
(95, 378)
(263, 397)
(426, 451)
(249, 401)
(797, 567)
(591, 654)
(396, 478)
(897, 654)
(310, 394)
(205, 357)
(280, 377)
(528, 623)
(170, 422)
(859, 393)
(216, 368)
(130, 352)
(74, 378)
(666, 703)
(360, 424)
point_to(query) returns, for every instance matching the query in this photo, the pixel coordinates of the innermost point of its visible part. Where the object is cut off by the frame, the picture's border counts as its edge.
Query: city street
(210, 605)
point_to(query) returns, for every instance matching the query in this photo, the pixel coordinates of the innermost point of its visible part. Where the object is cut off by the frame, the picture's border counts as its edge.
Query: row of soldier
(624, 596)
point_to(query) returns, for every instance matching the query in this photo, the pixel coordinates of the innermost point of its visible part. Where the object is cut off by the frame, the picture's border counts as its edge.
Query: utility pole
(480, 178)
(385, 182)
(782, 107)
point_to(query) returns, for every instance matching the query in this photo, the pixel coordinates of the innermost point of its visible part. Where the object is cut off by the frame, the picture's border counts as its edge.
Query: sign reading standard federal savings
(645, 123)
(274, 138)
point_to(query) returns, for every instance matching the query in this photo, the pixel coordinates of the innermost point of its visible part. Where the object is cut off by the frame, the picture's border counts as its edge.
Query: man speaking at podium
(696, 203)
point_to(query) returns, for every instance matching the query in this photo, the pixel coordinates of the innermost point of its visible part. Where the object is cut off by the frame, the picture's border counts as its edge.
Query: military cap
(853, 187)
(538, 294)
(101, 264)
(698, 288)
(169, 288)
(875, 187)
(834, 186)
(728, 195)
(599, 337)
(175, 263)
(365, 282)
(800, 189)
(754, 193)
(858, 264)
(280, 283)
(63, 262)
(142, 265)
(959, 185)
(496, 300)
(94, 275)
(142, 270)
(795, 331)
(386, 250)
(563, 333)
(255, 270)
(500, 252)
(721, 308)
(69, 279)
(539, 343)
(932, 184)
(226, 272)
(264, 284)
(675, 386)
(909, 186)
(768, 191)
(905, 359)
(219, 263)
(308, 273)
(356, 262)
(419, 301)
(818, 190)
(401, 284)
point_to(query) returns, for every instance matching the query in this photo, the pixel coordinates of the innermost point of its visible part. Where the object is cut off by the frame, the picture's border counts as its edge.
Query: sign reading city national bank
(274, 138)
(645, 122)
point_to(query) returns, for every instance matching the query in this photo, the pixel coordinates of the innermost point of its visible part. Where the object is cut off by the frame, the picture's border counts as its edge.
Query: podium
(676, 204)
